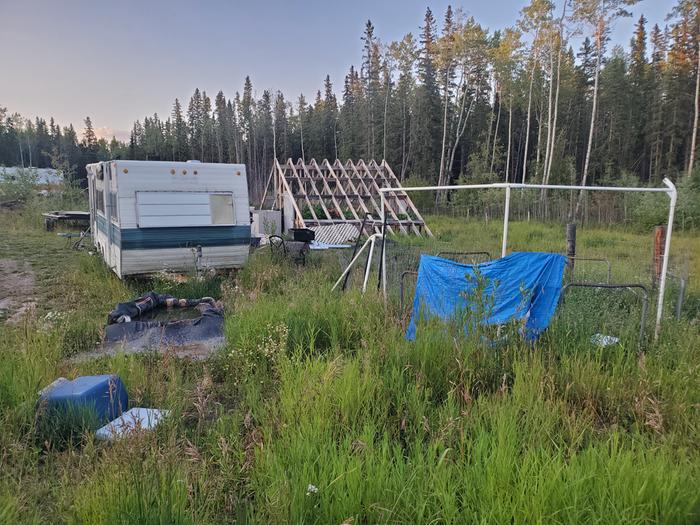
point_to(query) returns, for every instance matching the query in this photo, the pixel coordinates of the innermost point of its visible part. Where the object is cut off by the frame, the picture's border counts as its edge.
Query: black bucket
(303, 234)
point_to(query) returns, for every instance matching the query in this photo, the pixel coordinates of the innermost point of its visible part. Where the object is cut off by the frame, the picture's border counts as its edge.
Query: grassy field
(318, 410)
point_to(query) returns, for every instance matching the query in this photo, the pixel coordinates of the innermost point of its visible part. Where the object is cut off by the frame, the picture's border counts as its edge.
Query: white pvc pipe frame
(670, 190)
(371, 240)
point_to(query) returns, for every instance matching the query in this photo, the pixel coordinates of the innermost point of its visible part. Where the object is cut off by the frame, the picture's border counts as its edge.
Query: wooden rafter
(324, 181)
(354, 189)
(346, 192)
(373, 182)
(339, 185)
(284, 188)
(368, 192)
(408, 199)
(394, 194)
(302, 189)
(310, 178)
(361, 180)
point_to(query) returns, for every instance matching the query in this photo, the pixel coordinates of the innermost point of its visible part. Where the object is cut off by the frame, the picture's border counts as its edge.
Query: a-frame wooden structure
(320, 194)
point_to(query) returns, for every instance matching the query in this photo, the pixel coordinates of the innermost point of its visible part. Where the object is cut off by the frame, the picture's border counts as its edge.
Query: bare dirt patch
(17, 289)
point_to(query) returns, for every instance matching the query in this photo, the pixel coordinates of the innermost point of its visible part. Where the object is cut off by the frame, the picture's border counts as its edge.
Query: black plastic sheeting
(125, 312)
(199, 335)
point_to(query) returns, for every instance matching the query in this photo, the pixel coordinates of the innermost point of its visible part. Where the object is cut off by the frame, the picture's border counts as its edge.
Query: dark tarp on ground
(148, 302)
(207, 329)
(522, 285)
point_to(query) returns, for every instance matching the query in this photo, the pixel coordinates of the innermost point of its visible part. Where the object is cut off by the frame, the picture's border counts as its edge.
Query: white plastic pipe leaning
(673, 194)
(371, 241)
(506, 220)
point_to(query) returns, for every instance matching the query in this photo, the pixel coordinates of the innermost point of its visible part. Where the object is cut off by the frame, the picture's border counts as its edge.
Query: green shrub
(317, 209)
(20, 186)
(649, 210)
(423, 200)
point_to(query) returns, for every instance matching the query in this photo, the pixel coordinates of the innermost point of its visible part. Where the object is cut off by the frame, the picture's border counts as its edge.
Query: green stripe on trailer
(175, 237)
(183, 237)
(116, 232)
(102, 224)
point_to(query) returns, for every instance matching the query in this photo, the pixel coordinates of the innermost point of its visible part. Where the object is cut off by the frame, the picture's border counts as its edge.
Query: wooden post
(570, 246)
(658, 256)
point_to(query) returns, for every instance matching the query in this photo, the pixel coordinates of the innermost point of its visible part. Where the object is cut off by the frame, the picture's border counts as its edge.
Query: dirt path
(17, 289)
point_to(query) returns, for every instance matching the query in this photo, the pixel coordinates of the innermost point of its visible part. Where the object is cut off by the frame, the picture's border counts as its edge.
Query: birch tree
(535, 20)
(506, 60)
(405, 54)
(465, 51)
(558, 41)
(596, 16)
(693, 141)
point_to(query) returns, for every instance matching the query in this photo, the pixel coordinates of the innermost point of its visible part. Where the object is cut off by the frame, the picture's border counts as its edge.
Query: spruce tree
(639, 81)
(352, 133)
(281, 123)
(179, 133)
(427, 106)
(89, 145)
(195, 125)
(264, 138)
(329, 118)
(369, 74)
(89, 137)
(236, 146)
(222, 130)
(303, 123)
(246, 119)
(208, 139)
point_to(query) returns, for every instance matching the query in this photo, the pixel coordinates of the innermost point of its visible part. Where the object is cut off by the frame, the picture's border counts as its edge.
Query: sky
(118, 61)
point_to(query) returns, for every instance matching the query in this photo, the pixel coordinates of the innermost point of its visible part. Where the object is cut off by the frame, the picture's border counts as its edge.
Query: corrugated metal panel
(336, 233)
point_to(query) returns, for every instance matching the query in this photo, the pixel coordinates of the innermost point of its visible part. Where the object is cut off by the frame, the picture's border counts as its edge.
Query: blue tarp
(522, 285)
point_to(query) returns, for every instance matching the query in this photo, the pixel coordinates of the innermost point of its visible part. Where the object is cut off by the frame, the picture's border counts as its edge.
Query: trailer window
(113, 206)
(221, 208)
(101, 201)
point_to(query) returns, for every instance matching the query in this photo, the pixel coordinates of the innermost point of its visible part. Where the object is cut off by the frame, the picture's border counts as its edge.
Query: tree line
(454, 102)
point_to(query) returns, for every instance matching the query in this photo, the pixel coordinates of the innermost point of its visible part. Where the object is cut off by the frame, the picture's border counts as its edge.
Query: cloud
(105, 132)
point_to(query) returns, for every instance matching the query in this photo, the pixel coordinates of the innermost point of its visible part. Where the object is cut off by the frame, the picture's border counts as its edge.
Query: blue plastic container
(102, 398)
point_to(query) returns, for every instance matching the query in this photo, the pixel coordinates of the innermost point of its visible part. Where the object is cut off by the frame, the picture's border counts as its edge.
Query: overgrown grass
(319, 411)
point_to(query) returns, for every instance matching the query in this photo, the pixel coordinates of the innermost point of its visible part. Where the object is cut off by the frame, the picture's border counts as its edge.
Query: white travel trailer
(149, 216)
